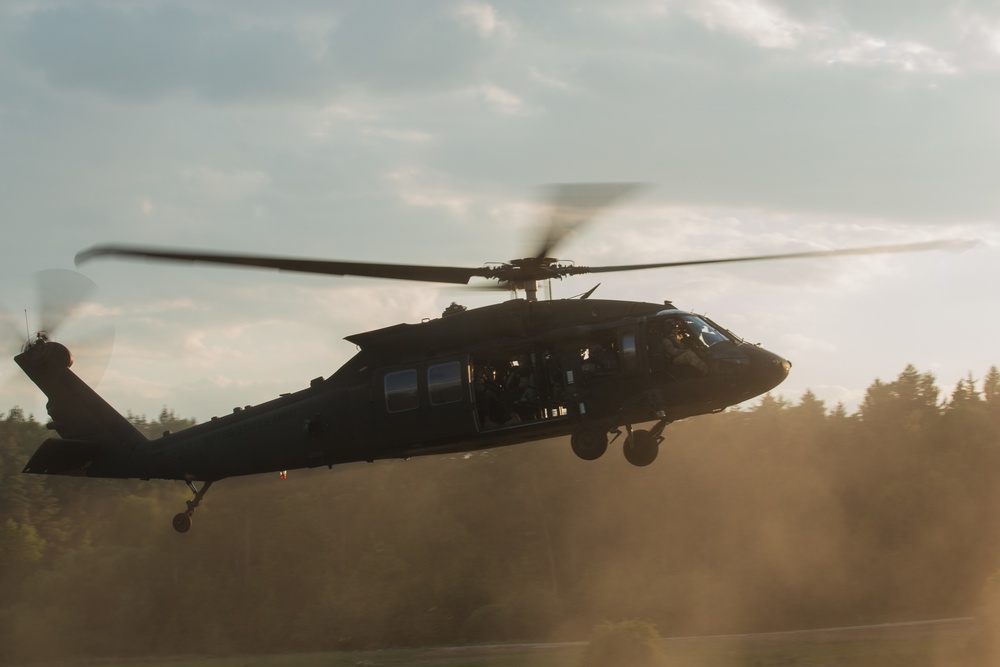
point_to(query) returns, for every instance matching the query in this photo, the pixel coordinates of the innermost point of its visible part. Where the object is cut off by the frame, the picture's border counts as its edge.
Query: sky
(425, 132)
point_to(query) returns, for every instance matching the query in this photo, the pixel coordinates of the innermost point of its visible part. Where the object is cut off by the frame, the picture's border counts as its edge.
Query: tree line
(776, 516)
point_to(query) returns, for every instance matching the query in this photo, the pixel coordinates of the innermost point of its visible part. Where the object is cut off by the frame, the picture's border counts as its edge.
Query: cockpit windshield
(702, 331)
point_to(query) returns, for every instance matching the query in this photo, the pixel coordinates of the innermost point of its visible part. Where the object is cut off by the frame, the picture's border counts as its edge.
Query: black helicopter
(504, 374)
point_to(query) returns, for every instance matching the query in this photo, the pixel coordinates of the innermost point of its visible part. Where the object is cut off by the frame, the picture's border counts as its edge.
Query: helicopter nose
(768, 370)
(776, 369)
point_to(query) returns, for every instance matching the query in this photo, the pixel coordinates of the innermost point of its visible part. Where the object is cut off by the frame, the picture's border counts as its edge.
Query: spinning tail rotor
(60, 295)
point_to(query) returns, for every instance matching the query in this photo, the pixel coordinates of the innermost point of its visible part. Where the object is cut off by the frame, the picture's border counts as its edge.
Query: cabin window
(629, 359)
(444, 383)
(401, 391)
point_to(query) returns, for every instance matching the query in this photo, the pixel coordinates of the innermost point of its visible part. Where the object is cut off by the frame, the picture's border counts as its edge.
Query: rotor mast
(525, 274)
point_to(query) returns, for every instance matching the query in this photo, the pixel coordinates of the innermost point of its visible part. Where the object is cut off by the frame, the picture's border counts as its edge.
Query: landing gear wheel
(641, 447)
(182, 522)
(589, 441)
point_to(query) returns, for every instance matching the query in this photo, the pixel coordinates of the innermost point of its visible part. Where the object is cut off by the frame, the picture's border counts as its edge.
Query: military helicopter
(504, 374)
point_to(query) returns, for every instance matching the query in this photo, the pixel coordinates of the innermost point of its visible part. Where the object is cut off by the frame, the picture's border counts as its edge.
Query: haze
(777, 518)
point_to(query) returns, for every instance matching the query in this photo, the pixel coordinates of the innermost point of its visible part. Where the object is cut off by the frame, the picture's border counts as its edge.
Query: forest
(777, 515)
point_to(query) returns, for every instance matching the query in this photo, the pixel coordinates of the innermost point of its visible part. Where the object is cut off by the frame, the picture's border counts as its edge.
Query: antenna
(27, 329)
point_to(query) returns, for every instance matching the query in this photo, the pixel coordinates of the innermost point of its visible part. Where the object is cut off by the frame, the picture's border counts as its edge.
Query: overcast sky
(419, 132)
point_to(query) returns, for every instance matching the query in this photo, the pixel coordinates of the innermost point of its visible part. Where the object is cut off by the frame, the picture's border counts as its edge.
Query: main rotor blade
(435, 274)
(572, 206)
(948, 244)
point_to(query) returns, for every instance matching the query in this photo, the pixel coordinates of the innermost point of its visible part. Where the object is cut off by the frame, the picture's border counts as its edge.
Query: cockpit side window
(703, 332)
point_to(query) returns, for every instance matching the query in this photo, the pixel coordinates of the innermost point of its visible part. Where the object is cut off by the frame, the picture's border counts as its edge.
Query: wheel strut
(658, 429)
(182, 521)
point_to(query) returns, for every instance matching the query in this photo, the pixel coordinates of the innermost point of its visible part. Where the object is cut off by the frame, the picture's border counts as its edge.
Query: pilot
(675, 348)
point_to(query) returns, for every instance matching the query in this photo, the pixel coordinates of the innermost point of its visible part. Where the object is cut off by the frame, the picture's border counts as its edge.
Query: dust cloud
(778, 517)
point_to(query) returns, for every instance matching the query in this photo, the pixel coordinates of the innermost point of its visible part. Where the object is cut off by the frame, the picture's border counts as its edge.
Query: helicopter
(509, 373)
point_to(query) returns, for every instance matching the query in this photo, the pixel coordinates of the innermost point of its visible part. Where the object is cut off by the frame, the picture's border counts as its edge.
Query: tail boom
(95, 440)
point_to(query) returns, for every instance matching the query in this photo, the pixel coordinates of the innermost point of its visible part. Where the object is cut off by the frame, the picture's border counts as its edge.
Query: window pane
(401, 390)
(703, 331)
(444, 383)
(629, 360)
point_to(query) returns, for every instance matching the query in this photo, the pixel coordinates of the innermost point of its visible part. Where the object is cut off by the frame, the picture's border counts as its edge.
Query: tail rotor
(62, 299)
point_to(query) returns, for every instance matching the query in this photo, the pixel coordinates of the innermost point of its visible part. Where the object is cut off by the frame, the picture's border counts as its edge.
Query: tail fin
(85, 421)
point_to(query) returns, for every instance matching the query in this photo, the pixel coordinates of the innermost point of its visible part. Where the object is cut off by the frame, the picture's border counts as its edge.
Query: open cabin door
(518, 386)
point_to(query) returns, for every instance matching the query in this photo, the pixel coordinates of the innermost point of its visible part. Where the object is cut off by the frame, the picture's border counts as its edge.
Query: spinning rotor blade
(434, 274)
(948, 244)
(572, 206)
(59, 295)
(12, 332)
(60, 292)
(510, 276)
(92, 353)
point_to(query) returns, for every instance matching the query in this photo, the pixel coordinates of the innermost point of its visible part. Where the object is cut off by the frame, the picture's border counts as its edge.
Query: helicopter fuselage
(500, 375)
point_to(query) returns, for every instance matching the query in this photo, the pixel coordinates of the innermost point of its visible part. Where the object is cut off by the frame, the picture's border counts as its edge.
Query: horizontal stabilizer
(63, 457)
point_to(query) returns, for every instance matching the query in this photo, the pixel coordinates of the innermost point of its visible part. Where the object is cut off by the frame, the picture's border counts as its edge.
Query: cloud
(144, 52)
(980, 37)
(225, 54)
(907, 36)
(418, 188)
(762, 23)
(403, 135)
(867, 51)
(423, 48)
(821, 39)
(484, 19)
(502, 101)
(227, 184)
(551, 81)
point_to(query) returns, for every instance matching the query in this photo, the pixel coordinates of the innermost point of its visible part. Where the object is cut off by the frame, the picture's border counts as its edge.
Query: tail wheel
(641, 447)
(182, 522)
(589, 441)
